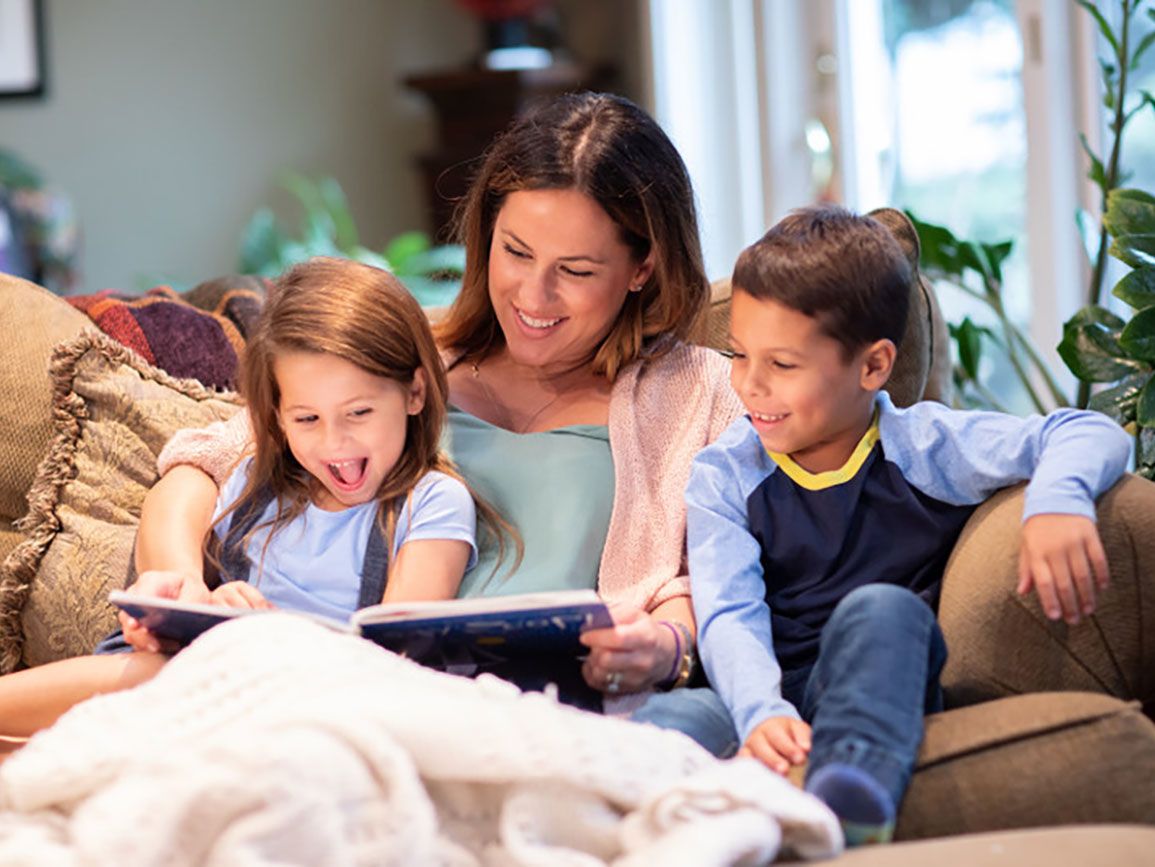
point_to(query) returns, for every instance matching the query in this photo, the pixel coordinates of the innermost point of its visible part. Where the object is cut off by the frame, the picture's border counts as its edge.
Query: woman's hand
(167, 585)
(634, 654)
(239, 594)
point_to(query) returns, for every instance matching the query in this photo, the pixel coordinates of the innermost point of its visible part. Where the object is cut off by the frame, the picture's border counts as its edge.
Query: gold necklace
(505, 410)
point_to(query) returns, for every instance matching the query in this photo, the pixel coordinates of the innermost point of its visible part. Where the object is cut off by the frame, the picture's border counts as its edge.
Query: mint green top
(556, 487)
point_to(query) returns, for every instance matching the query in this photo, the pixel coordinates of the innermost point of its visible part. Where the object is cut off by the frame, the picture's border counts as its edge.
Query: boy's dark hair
(844, 270)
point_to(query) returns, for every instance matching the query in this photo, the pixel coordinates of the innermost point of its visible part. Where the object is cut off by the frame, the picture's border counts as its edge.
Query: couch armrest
(1000, 644)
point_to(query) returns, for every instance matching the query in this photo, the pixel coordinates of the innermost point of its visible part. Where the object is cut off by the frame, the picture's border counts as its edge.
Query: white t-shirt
(313, 564)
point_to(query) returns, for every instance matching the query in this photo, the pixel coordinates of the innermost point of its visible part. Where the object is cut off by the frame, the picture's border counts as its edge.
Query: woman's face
(558, 276)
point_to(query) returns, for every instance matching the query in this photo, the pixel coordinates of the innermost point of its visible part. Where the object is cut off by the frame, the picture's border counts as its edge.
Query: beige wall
(169, 122)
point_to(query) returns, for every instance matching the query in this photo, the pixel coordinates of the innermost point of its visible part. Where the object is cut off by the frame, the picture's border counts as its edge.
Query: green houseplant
(327, 228)
(1100, 347)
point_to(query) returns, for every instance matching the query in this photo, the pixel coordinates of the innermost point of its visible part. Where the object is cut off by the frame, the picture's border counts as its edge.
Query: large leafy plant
(1099, 346)
(327, 228)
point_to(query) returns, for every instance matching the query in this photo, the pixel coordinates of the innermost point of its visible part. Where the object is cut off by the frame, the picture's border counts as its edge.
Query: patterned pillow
(197, 335)
(113, 413)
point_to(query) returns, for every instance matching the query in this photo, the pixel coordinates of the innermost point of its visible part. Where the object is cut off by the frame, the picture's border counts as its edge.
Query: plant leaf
(1096, 173)
(1091, 347)
(996, 254)
(940, 249)
(262, 242)
(1137, 288)
(1145, 407)
(1129, 212)
(1138, 251)
(1138, 336)
(968, 339)
(1118, 402)
(335, 204)
(1104, 27)
(1141, 48)
(1089, 232)
(403, 248)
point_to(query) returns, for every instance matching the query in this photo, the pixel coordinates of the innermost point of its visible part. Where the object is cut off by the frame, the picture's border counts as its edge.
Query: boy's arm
(1070, 456)
(734, 637)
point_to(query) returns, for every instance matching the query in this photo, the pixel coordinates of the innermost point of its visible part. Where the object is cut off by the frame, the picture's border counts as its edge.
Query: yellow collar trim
(829, 479)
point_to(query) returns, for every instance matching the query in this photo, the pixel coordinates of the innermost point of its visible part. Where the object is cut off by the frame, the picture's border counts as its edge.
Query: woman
(577, 405)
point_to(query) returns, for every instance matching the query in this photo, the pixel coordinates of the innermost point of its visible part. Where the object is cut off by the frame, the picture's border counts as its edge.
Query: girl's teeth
(537, 323)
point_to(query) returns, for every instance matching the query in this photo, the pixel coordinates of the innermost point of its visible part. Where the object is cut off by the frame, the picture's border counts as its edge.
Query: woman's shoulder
(678, 362)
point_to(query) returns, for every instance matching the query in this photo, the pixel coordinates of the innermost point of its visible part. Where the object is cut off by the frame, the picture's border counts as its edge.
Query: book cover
(465, 636)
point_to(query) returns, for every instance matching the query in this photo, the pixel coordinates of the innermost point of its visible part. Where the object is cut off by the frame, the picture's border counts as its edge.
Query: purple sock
(864, 808)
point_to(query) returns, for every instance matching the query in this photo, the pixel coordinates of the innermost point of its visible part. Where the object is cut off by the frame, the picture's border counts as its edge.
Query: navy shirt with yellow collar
(773, 548)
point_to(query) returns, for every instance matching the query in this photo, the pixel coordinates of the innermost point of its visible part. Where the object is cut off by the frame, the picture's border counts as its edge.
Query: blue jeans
(698, 713)
(876, 677)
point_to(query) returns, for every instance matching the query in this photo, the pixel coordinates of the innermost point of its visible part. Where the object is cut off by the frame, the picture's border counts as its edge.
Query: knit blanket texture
(195, 335)
(273, 740)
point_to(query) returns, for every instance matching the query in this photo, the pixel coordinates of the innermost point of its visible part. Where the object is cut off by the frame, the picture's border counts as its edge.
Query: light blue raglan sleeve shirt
(957, 457)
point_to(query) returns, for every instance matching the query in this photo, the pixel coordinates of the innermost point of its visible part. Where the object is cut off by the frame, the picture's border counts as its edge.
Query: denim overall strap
(374, 568)
(235, 564)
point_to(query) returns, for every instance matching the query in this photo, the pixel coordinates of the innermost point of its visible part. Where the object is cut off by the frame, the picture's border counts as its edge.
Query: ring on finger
(614, 681)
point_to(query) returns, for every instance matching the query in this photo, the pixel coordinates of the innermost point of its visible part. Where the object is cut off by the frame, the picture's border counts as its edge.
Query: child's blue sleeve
(963, 457)
(441, 508)
(729, 594)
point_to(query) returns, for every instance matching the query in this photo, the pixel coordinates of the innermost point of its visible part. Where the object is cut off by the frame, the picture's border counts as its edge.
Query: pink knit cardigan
(662, 412)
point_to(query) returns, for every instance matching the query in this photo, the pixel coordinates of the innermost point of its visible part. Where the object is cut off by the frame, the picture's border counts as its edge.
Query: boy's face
(804, 397)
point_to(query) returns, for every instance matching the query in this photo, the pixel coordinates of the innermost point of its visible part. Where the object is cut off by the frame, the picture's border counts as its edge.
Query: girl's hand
(634, 654)
(167, 585)
(239, 594)
(1062, 557)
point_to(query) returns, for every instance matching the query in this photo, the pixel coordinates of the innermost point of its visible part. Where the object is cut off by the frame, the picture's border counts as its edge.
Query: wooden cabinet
(472, 106)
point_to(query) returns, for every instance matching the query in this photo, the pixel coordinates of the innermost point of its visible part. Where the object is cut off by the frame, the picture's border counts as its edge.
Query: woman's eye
(358, 413)
(305, 419)
(733, 354)
(513, 251)
(782, 365)
(575, 273)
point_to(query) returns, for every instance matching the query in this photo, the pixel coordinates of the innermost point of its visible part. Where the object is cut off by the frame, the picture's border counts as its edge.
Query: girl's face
(558, 276)
(344, 425)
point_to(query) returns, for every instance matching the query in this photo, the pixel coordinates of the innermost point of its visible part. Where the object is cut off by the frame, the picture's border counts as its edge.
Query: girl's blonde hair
(365, 316)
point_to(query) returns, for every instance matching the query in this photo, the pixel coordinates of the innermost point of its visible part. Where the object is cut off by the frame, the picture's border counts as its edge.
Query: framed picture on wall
(21, 48)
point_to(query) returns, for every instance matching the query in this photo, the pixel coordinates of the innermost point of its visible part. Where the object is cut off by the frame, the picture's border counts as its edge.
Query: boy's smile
(805, 399)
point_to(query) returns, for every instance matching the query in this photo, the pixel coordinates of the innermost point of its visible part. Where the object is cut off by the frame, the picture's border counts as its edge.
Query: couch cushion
(34, 320)
(1067, 846)
(1032, 761)
(1001, 644)
(113, 413)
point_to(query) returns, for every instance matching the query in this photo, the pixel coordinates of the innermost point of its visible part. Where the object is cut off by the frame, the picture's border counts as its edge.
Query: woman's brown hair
(609, 149)
(365, 316)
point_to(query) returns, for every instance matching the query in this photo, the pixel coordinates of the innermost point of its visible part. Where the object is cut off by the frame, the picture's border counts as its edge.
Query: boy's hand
(1063, 558)
(239, 594)
(167, 585)
(778, 742)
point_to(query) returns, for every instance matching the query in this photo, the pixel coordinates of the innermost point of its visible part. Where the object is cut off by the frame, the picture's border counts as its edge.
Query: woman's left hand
(636, 653)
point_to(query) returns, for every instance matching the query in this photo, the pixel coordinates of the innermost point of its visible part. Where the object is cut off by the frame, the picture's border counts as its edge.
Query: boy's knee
(876, 603)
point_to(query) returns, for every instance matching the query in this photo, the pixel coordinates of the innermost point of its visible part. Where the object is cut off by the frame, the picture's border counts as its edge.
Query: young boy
(820, 523)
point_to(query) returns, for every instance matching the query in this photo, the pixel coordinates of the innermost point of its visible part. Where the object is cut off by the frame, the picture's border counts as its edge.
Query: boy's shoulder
(736, 460)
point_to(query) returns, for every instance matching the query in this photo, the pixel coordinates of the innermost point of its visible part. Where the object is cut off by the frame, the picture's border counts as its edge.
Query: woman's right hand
(167, 585)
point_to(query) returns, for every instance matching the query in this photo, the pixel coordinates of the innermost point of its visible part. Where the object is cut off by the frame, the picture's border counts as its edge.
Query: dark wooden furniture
(473, 105)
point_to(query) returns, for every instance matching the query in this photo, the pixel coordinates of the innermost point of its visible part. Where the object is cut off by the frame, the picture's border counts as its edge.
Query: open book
(461, 635)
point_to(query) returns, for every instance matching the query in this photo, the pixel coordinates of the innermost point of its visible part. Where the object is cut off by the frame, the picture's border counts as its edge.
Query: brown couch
(1049, 725)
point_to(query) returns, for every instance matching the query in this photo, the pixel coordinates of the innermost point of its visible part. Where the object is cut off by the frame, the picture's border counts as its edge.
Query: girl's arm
(427, 569)
(176, 516)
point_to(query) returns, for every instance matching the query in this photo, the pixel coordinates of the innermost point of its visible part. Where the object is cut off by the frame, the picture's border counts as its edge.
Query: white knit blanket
(272, 740)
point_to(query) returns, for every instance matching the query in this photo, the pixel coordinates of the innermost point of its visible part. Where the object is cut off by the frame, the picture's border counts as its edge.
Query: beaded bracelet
(675, 669)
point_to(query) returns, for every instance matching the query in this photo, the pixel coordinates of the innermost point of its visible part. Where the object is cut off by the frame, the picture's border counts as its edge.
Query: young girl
(345, 499)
